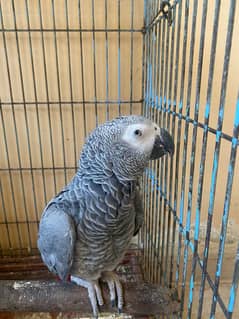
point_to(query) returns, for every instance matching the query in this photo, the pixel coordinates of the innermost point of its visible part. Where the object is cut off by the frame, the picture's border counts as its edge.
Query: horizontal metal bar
(20, 222)
(71, 102)
(167, 110)
(37, 168)
(69, 30)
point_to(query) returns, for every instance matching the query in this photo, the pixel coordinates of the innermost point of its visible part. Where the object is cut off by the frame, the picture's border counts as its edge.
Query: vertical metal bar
(159, 229)
(147, 64)
(217, 151)
(165, 162)
(148, 188)
(150, 74)
(150, 114)
(28, 135)
(4, 210)
(170, 103)
(151, 221)
(70, 84)
(185, 150)
(94, 61)
(143, 112)
(203, 153)
(9, 166)
(166, 168)
(162, 160)
(107, 60)
(59, 89)
(147, 71)
(36, 101)
(47, 95)
(142, 237)
(159, 264)
(119, 57)
(234, 285)
(149, 94)
(157, 197)
(153, 9)
(231, 169)
(156, 232)
(175, 90)
(16, 134)
(181, 209)
(153, 164)
(143, 105)
(131, 54)
(82, 68)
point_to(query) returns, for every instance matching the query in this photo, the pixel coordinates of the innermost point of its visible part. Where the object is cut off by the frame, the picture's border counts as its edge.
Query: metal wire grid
(13, 32)
(163, 251)
(161, 194)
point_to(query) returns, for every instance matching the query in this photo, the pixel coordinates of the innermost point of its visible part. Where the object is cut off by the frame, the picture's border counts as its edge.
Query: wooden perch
(28, 286)
(141, 299)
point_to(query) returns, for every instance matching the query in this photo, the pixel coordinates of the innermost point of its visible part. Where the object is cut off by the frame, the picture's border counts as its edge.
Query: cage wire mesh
(67, 66)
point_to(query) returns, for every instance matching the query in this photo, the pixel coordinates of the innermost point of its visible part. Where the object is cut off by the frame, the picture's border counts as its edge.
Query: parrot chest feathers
(106, 227)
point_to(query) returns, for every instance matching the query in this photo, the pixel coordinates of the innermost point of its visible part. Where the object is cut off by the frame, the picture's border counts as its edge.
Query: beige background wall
(37, 117)
(26, 120)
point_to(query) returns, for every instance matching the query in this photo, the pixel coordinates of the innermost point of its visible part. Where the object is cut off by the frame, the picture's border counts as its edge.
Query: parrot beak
(163, 144)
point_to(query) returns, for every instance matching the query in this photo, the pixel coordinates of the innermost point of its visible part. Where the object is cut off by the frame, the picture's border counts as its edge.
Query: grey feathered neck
(104, 153)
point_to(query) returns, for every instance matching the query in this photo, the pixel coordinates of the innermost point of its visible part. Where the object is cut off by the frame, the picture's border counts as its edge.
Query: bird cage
(68, 66)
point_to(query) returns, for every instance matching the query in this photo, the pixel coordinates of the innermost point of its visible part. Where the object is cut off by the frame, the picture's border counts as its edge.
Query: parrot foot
(94, 292)
(115, 288)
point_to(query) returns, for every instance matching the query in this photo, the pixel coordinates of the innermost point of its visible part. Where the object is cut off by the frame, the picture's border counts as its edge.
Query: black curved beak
(163, 144)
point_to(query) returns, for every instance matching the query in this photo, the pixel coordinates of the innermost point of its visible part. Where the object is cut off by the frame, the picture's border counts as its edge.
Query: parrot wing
(56, 240)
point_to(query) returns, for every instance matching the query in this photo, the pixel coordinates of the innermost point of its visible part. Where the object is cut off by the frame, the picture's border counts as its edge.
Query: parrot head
(148, 138)
(128, 143)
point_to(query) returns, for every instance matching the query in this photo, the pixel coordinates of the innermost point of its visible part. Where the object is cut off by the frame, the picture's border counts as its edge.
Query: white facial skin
(141, 136)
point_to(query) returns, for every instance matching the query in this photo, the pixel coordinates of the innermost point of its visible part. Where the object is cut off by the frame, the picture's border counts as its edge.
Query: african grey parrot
(86, 229)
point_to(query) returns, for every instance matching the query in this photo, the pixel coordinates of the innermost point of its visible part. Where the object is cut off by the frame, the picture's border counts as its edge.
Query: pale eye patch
(140, 137)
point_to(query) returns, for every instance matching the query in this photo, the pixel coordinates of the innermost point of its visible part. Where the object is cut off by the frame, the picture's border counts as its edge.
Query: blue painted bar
(234, 285)
(160, 103)
(176, 78)
(215, 162)
(202, 161)
(181, 101)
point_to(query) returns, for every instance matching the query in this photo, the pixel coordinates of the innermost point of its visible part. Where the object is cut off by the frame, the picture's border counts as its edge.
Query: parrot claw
(94, 292)
(115, 289)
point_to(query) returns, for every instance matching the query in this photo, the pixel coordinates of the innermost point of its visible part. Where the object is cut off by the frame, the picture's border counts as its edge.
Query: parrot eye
(155, 128)
(138, 132)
